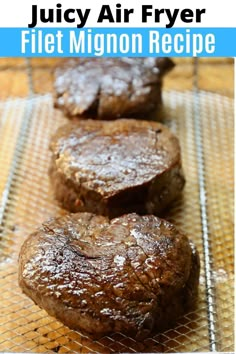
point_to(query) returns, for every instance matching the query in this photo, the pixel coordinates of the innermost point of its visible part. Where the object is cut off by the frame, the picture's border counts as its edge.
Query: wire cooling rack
(204, 124)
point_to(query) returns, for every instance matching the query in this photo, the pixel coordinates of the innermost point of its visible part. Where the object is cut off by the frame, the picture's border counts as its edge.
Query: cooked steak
(108, 88)
(134, 274)
(116, 167)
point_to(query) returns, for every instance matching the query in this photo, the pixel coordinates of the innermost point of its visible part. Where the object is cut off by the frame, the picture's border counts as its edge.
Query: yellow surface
(215, 75)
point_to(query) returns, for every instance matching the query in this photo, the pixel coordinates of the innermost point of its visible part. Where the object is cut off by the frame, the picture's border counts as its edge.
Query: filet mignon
(116, 167)
(109, 88)
(133, 274)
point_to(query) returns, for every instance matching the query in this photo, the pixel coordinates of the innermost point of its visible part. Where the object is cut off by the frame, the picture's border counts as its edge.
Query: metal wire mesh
(204, 124)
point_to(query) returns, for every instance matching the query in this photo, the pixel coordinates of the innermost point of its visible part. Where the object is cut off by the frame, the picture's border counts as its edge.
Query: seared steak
(134, 274)
(116, 167)
(108, 88)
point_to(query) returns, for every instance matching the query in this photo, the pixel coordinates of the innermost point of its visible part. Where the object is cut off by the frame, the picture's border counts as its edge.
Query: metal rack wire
(204, 124)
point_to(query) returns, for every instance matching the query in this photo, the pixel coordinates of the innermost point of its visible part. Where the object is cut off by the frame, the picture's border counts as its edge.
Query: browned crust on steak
(134, 274)
(112, 168)
(109, 88)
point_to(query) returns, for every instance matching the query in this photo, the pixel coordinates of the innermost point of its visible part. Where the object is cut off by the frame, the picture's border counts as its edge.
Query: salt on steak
(109, 88)
(116, 167)
(133, 274)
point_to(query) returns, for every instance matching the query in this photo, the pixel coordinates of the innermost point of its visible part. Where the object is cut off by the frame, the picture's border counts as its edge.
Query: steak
(108, 88)
(133, 274)
(116, 167)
